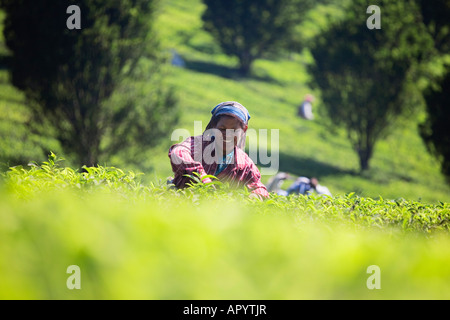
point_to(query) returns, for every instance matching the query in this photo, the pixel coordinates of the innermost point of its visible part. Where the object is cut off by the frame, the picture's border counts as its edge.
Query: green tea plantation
(128, 240)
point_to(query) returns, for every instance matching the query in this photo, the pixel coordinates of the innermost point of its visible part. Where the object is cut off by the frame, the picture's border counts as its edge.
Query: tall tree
(69, 76)
(363, 73)
(435, 130)
(248, 29)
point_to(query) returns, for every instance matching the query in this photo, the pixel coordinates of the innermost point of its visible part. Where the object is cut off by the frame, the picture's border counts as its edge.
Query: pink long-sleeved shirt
(189, 156)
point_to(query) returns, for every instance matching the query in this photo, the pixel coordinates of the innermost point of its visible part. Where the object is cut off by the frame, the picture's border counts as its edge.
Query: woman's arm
(183, 163)
(254, 184)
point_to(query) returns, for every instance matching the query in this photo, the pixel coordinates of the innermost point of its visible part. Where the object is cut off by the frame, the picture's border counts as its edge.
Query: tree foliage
(436, 15)
(248, 29)
(71, 76)
(435, 131)
(365, 76)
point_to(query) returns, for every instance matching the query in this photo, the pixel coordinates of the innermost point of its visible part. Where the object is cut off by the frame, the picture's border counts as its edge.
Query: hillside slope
(401, 166)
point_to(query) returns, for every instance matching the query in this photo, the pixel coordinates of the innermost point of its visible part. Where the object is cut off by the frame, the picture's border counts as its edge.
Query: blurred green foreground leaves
(152, 242)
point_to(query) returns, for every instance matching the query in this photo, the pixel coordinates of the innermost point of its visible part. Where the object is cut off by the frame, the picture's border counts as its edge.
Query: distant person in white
(302, 185)
(305, 109)
(274, 184)
(307, 186)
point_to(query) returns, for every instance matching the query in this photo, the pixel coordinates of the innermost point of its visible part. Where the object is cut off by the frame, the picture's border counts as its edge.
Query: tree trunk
(245, 63)
(89, 147)
(365, 154)
(89, 158)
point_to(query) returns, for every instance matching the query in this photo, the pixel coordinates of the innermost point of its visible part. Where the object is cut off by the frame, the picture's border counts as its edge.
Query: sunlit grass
(401, 165)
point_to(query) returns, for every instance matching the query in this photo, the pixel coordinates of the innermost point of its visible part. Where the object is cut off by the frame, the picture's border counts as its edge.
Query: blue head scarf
(233, 109)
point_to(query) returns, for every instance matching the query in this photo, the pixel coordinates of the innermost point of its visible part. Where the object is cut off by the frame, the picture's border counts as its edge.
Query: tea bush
(136, 241)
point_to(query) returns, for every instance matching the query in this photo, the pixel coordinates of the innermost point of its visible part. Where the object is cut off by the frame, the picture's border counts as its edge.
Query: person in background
(219, 151)
(305, 109)
(274, 184)
(307, 186)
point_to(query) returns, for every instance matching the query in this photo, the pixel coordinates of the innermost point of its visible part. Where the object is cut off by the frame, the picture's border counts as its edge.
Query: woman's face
(229, 127)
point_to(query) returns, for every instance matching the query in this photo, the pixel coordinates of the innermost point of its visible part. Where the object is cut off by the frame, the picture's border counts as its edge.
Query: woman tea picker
(219, 151)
